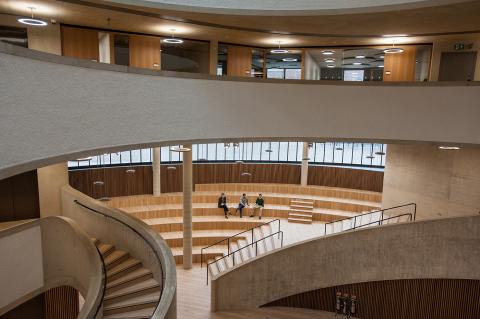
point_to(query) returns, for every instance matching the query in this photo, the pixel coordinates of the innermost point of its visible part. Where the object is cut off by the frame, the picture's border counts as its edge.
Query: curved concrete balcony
(57, 108)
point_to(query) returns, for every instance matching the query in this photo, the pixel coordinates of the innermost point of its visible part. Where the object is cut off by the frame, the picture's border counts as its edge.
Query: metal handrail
(141, 236)
(376, 211)
(280, 233)
(233, 236)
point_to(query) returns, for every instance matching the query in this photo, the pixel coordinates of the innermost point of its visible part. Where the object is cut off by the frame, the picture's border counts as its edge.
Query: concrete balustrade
(441, 248)
(48, 253)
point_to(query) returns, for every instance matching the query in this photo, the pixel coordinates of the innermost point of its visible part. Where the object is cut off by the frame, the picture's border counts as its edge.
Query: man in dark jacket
(259, 204)
(222, 203)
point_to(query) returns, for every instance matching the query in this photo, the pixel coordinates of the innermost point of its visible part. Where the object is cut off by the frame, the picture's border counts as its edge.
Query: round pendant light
(393, 50)
(32, 21)
(171, 168)
(246, 174)
(172, 39)
(328, 52)
(279, 50)
(330, 60)
(130, 171)
(179, 149)
(83, 159)
(450, 148)
(289, 60)
(330, 66)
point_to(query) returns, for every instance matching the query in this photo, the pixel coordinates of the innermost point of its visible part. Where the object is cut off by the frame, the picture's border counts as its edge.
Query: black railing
(381, 211)
(280, 236)
(229, 239)
(136, 232)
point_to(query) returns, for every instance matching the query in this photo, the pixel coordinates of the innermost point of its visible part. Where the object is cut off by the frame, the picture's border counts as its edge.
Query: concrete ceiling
(424, 25)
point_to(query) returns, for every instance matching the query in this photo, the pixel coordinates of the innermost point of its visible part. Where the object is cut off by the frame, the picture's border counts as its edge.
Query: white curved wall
(285, 7)
(51, 112)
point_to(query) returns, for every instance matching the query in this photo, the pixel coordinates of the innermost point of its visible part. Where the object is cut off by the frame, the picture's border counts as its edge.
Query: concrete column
(187, 209)
(304, 172)
(213, 57)
(156, 172)
(51, 179)
(104, 47)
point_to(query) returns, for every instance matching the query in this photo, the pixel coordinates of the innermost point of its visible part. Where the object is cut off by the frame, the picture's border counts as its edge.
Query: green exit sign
(463, 46)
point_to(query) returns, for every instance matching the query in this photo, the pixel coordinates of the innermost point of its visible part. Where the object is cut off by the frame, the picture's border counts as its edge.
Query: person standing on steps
(242, 204)
(259, 204)
(222, 203)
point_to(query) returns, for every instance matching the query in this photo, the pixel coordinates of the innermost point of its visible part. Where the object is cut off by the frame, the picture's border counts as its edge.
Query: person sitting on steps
(259, 204)
(222, 203)
(243, 203)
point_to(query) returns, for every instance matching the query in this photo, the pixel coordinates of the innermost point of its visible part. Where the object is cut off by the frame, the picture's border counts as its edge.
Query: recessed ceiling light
(393, 50)
(443, 147)
(32, 21)
(330, 66)
(360, 57)
(179, 149)
(328, 52)
(330, 60)
(289, 60)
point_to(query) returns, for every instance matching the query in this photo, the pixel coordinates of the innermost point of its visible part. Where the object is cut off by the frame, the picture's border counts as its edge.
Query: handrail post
(252, 236)
(281, 243)
(207, 274)
(228, 246)
(354, 222)
(256, 248)
(201, 258)
(233, 258)
(414, 211)
(381, 219)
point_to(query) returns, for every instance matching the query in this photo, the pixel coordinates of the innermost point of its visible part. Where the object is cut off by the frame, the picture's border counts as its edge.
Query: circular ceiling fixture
(330, 66)
(246, 174)
(171, 168)
(32, 21)
(98, 183)
(130, 171)
(330, 60)
(179, 149)
(381, 66)
(172, 39)
(289, 60)
(393, 50)
(82, 159)
(357, 63)
(443, 147)
(360, 57)
(279, 50)
(328, 52)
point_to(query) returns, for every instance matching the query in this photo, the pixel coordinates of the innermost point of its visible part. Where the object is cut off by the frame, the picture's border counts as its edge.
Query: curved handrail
(233, 236)
(141, 236)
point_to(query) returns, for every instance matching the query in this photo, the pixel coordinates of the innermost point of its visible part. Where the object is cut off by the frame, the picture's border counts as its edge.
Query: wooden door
(400, 66)
(239, 61)
(144, 52)
(457, 66)
(80, 43)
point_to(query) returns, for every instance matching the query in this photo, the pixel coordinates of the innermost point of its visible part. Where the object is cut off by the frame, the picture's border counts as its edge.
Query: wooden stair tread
(128, 263)
(138, 300)
(299, 220)
(143, 285)
(136, 314)
(300, 215)
(105, 249)
(137, 273)
(114, 256)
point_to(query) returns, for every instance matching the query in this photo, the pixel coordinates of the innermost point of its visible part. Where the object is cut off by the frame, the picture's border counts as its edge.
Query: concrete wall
(54, 111)
(442, 183)
(51, 179)
(441, 248)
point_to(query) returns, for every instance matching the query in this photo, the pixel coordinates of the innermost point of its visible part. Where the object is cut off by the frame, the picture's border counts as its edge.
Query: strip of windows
(362, 155)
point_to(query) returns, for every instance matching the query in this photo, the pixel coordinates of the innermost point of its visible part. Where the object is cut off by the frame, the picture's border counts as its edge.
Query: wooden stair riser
(123, 272)
(128, 283)
(112, 311)
(116, 262)
(108, 301)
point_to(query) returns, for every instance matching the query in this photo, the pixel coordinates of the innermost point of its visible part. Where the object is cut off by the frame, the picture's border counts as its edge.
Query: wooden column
(213, 57)
(239, 61)
(80, 43)
(144, 52)
(400, 66)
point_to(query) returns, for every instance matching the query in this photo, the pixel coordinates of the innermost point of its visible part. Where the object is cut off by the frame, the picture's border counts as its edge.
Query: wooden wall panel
(120, 183)
(19, 197)
(32, 308)
(80, 43)
(144, 52)
(239, 61)
(400, 66)
(399, 299)
(61, 303)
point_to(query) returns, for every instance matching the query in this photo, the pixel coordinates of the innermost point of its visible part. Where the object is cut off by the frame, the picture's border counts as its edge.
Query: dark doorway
(457, 66)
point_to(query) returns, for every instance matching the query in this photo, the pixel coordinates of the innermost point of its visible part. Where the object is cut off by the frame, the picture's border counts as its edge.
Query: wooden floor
(193, 294)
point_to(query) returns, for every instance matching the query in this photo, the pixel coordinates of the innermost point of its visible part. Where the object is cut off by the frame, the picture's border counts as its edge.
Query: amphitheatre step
(302, 216)
(299, 220)
(298, 206)
(203, 237)
(203, 223)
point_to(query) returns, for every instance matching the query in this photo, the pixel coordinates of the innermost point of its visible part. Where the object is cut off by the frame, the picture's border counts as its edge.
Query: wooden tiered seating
(293, 202)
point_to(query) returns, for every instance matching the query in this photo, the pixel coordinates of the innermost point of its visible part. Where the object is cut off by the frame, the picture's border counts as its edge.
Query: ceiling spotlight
(172, 39)
(328, 52)
(130, 171)
(443, 147)
(360, 57)
(171, 168)
(330, 60)
(330, 66)
(179, 149)
(289, 60)
(32, 21)
(279, 50)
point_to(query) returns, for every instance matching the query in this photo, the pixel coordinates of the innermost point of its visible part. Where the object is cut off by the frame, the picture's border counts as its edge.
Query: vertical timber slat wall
(19, 197)
(144, 52)
(239, 61)
(117, 182)
(80, 43)
(399, 299)
(61, 303)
